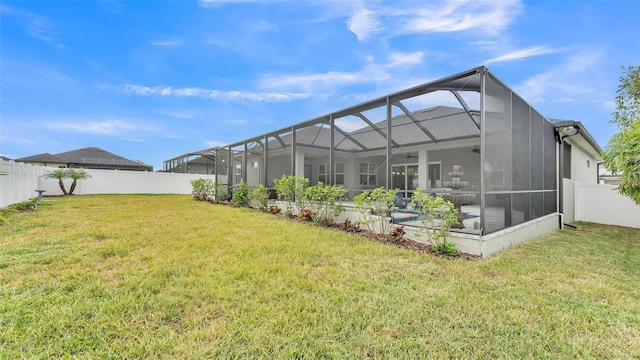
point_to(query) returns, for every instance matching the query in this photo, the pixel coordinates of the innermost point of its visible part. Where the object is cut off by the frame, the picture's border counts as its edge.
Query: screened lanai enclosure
(503, 149)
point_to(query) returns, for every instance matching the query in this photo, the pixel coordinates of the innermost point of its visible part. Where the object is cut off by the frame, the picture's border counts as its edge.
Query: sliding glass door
(405, 179)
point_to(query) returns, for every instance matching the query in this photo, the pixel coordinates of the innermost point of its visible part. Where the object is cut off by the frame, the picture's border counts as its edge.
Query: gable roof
(89, 157)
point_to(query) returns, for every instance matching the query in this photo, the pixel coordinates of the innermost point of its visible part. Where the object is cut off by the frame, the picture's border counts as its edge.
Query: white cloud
(214, 143)
(212, 3)
(370, 73)
(399, 59)
(350, 125)
(183, 114)
(37, 26)
(565, 83)
(363, 23)
(490, 17)
(238, 121)
(522, 54)
(214, 94)
(167, 43)
(99, 127)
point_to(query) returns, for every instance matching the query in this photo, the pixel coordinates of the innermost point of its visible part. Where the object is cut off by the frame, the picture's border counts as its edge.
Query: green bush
(25, 205)
(201, 188)
(290, 189)
(374, 208)
(447, 248)
(325, 202)
(219, 193)
(437, 216)
(241, 195)
(259, 198)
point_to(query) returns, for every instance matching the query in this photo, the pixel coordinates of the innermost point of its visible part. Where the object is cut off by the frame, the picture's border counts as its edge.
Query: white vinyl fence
(18, 182)
(603, 205)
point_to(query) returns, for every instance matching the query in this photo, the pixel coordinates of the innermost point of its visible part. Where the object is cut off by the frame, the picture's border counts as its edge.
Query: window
(323, 173)
(566, 158)
(255, 164)
(368, 174)
(339, 173)
(325, 177)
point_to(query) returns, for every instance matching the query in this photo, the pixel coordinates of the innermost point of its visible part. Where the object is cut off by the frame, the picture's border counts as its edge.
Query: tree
(76, 175)
(58, 174)
(622, 155)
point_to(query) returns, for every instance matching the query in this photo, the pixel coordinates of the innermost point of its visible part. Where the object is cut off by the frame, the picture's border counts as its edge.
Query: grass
(139, 276)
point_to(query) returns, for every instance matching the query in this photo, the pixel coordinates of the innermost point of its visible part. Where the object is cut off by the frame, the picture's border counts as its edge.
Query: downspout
(561, 167)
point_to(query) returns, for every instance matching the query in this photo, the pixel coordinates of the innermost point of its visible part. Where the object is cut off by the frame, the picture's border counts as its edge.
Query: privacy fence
(18, 182)
(603, 205)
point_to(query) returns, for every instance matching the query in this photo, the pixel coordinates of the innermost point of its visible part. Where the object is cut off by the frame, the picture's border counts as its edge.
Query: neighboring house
(87, 158)
(520, 165)
(198, 162)
(606, 177)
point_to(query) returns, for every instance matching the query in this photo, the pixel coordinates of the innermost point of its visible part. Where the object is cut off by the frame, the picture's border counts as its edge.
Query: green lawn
(137, 276)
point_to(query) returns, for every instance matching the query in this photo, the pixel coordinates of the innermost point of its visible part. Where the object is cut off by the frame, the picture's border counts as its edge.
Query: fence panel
(19, 181)
(603, 205)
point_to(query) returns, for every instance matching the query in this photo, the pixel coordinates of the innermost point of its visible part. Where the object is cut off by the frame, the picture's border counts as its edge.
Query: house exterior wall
(584, 170)
(584, 167)
(568, 199)
(277, 166)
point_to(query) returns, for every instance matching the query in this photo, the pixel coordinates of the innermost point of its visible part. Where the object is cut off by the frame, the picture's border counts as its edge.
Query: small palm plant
(61, 174)
(76, 175)
(58, 174)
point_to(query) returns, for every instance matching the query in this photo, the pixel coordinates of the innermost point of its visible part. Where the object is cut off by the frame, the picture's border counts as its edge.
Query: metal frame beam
(465, 107)
(374, 127)
(347, 136)
(415, 121)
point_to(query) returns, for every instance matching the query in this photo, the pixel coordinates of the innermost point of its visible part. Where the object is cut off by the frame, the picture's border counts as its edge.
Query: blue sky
(150, 80)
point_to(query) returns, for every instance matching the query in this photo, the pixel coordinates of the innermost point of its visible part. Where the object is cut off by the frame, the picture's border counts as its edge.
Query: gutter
(561, 138)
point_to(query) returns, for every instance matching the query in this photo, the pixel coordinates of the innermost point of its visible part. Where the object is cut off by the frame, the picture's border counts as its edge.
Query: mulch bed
(404, 243)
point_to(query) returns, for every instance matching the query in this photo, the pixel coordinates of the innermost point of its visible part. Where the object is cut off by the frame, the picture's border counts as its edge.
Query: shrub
(325, 202)
(349, 226)
(447, 248)
(374, 208)
(305, 214)
(259, 198)
(290, 189)
(219, 193)
(7, 212)
(201, 188)
(437, 216)
(274, 209)
(241, 195)
(27, 205)
(397, 233)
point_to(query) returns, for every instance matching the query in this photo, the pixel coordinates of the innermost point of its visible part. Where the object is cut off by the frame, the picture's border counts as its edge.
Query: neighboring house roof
(89, 157)
(43, 158)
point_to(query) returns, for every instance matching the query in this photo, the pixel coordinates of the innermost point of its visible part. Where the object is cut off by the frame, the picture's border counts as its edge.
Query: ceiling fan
(475, 149)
